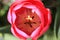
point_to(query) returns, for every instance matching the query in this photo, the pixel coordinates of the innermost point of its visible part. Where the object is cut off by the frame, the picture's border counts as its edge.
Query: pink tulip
(29, 19)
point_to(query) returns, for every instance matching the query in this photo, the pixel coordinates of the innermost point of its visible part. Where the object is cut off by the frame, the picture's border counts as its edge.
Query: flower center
(26, 20)
(29, 18)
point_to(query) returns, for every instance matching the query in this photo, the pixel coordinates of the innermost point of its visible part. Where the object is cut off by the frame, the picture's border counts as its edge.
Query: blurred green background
(52, 34)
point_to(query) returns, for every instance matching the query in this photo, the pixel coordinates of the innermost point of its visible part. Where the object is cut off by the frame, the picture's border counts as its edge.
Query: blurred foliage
(52, 34)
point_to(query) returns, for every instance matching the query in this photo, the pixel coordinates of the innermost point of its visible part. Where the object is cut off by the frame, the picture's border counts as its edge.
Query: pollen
(29, 18)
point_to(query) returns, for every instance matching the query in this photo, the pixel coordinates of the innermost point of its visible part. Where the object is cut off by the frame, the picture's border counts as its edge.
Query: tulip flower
(29, 19)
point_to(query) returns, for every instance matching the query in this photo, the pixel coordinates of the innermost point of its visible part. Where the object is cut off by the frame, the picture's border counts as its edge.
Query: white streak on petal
(33, 11)
(49, 15)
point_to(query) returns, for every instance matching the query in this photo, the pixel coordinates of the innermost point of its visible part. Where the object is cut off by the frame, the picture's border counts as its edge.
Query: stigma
(29, 18)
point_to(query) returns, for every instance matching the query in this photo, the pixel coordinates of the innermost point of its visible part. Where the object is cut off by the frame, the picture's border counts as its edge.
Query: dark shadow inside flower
(26, 20)
(29, 23)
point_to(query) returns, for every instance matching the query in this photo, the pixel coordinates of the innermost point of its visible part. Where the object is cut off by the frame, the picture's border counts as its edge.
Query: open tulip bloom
(28, 19)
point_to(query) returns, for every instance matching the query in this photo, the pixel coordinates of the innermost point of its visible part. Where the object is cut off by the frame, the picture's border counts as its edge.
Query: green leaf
(9, 37)
(29, 39)
(57, 20)
(59, 33)
(49, 37)
(5, 29)
(2, 12)
(1, 36)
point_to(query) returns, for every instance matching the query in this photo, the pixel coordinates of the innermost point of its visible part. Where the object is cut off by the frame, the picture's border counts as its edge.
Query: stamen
(29, 18)
(32, 17)
(29, 23)
(34, 22)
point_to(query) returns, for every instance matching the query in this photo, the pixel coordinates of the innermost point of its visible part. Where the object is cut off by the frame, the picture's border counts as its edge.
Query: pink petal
(9, 17)
(40, 33)
(13, 30)
(20, 32)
